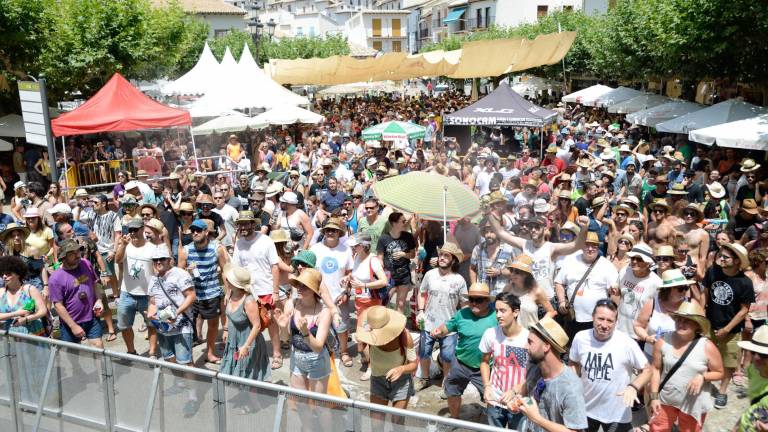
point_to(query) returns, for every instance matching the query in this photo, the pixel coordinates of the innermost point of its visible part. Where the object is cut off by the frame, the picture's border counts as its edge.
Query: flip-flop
(346, 360)
(217, 362)
(112, 336)
(277, 362)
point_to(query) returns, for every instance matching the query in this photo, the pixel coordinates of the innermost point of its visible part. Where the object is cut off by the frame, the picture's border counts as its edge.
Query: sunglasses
(477, 300)
(683, 288)
(663, 258)
(206, 206)
(158, 260)
(185, 213)
(689, 213)
(625, 242)
(370, 208)
(606, 302)
(218, 198)
(133, 230)
(622, 214)
(659, 210)
(146, 214)
(682, 251)
(196, 230)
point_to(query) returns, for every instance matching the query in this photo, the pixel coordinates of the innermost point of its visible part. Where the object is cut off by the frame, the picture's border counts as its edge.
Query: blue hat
(199, 223)
(81, 230)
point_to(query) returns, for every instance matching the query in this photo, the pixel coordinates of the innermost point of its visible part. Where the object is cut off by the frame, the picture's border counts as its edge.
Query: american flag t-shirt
(508, 366)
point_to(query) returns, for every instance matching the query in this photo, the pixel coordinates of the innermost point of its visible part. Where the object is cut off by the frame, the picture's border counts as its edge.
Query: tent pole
(541, 135)
(64, 151)
(194, 149)
(445, 214)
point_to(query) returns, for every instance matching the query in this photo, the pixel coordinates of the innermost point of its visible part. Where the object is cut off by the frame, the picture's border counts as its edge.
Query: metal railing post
(279, 411)
(109, 392)
(151, 399)
(220, 404)
(13, 391)
(44, 390)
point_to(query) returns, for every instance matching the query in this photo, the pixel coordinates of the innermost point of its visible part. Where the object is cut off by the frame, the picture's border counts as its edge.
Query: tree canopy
(652, 39)
(285, 48)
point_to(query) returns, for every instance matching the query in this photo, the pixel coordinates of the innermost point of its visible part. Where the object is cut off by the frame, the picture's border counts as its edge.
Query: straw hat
(642, 251)
(81, 193)
(552, 148)
(630, 211)
(290, 198)
(186, 207)
(660, 203)
(749, 165)
(522, 263)
(274, 189)
(452, 249)
(334, 223)
(238, 277)
(541, 205)
(749, 205)
(204, 199)
(607, 155)
(631, 201)
(279, 236)
(597, 201)
(565, 194)
(309, 278)
(673, 278)
(609, 174)
(10, 228)
(380, 325)
(741, 254)
(664, 251)
(552, 333)
(592, 237)
(264, 167)
(479, 289)
(693, 312)
(155, 224)
(584, 163)
(627, 237)
(570, 226)
(677, 189)
(716, 190)
(496, 197)
(697, 208)
(759, 342)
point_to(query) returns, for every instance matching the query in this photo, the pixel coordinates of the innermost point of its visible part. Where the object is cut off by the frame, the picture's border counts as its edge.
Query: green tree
(284, 48)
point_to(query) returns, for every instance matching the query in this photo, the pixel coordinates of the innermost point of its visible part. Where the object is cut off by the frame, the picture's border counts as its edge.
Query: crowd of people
(617, 283)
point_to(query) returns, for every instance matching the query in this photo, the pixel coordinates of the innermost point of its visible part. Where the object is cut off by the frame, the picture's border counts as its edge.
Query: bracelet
(634, 387)
(654, 396)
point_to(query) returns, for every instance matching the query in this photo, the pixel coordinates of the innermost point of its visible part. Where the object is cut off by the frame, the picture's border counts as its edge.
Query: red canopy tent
(117, 107)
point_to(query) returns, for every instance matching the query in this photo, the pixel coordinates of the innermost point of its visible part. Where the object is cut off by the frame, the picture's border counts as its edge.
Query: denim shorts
(345, 310)
(178, 345)
(127, 308)
(311, 365)
(447, 346)
(502, 417)
(91, 328)
(399, 390)
(110, 265)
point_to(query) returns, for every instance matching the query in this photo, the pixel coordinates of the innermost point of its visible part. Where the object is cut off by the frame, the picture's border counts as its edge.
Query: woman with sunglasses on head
(522, 284)
(686, 396)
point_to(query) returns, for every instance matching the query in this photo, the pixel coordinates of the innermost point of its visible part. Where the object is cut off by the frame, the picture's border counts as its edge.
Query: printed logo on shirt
(509, 368)
(598, 366)
(722, 293)
(329, 265)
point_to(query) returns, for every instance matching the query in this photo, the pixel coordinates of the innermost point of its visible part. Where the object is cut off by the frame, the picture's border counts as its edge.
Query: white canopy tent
(288, 114)
(243, 86)
(5, 145)
(723, 112)
(360, 87)
(531, 86)
(638, 103)
(750, 134)
(234, 122)
(197, 80)
(614, 96)
(589, 93)
(12, 125)
(660, 113)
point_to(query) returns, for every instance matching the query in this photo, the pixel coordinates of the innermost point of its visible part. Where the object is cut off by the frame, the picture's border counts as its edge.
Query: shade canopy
(12, 125)
(614, 96)
(502, 107)
(531, 86)
(288, 114)
(5, 145)
(228, 123)
(454, 15)
(660, 113)
(638, 103)
(423, 194)
(118, 107)
(394, 130)
(751, 134)
(724, 112)
(589, 93)
(197, 80)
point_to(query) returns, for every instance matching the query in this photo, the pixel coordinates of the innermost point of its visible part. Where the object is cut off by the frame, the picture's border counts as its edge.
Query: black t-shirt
(726, 295)
(744, 192)
(695, 193)
(582, 205)
(218, 221)
(738, 226)
(168, 218)
(400, 268)
(651, 197)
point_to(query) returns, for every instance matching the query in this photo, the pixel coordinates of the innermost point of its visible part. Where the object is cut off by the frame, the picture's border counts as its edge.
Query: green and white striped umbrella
(394, 130)
(422, 194)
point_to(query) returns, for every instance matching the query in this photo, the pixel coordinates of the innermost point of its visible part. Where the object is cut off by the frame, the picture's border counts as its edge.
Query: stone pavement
(428, 400)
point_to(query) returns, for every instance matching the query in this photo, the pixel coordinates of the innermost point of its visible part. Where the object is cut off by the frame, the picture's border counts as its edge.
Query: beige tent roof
(485, 58)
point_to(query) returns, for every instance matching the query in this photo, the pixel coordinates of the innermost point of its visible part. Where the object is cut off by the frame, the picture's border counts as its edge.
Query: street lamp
(257, 30)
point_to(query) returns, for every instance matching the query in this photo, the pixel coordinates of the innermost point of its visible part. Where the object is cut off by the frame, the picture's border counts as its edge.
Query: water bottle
(161, 326)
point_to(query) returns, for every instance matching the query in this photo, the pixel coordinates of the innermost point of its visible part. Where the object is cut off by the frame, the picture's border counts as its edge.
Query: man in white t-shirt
(595, 286)
(228, 215)
(637, 284)
(257, 253)
(134, 259)
(606, 361)
(335, 261)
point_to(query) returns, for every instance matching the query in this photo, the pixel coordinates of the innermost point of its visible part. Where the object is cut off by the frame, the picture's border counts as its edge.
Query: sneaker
(721, 400)
(443, 396)
(366, 375)
(422, 383)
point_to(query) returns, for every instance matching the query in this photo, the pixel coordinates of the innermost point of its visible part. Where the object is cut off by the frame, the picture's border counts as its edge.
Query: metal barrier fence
(50, 385)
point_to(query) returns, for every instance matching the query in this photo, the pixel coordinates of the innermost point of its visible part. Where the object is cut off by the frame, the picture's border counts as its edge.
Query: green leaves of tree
(285, 48)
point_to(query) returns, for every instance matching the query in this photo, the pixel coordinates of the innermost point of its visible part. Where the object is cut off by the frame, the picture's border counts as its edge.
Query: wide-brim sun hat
(453, 249)
(759, 342)
(660, 203)
(741, 254)
(289, 198)
(309, 278)
(674, 278)
(693, 312)
(630, 211)
(334, 223)
(749, 165)
(523, 263)
(380, 325)
(552, 333)
(279, 236)
(716, 190)
(186, 207)
(479, 289)
(664, 251)
(245, 216)
(238, 276)
(305, 257)
(10, 228)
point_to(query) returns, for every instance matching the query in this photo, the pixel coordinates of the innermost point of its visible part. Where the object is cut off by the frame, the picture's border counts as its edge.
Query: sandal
(112, 336)
(738, 378)
(277, 362)
(346, 360)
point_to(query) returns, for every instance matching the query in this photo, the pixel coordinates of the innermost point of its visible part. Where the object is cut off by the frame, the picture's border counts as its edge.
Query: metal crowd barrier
(50, 385)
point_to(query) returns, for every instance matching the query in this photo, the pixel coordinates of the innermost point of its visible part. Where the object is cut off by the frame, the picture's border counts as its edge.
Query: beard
(535, 359)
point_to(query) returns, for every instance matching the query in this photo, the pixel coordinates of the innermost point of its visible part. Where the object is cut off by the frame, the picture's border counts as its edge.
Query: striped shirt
(508, 359)
(207, 281)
